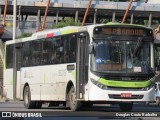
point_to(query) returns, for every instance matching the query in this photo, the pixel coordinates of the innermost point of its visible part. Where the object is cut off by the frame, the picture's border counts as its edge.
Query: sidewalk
(3, 99)
(6, 100)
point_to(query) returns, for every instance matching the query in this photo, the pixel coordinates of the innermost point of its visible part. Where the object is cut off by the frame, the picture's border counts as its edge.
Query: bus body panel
(18, 88)
(47, 82)
(35, 91)
(8, 83)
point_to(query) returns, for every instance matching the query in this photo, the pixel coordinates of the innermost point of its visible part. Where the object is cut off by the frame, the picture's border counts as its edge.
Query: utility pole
(4, 18)
(84, 19)
(14, 39)
(130, 3)
(14, 19)
(45, 15)
(4, 14)
(124, 18)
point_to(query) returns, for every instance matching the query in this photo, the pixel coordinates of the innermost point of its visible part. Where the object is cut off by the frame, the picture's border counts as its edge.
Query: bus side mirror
(91, 48)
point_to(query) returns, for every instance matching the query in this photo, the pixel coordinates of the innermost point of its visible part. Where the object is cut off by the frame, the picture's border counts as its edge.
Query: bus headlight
(100, 85)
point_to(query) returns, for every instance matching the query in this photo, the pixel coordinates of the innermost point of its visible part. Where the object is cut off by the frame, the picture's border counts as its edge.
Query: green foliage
(27, 34)
(67, 22)
(103, 21)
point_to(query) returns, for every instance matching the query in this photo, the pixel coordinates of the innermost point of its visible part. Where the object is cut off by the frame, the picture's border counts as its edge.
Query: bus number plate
(126, 95)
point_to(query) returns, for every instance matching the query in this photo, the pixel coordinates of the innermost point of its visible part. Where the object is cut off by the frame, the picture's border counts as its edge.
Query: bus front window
(108, 56)
(121, 57)
(138, 57)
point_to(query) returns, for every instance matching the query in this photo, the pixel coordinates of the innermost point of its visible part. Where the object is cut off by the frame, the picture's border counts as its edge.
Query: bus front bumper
(98, 94)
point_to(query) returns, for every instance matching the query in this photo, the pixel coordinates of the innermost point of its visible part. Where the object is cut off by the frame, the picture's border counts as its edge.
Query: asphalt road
(97, 112)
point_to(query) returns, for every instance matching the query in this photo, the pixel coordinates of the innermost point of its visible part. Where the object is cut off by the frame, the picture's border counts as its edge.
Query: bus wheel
(73, 103)
(126, 106)
(27, 99)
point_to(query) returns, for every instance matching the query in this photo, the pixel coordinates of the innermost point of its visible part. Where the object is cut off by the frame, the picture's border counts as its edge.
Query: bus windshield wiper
(137, 46)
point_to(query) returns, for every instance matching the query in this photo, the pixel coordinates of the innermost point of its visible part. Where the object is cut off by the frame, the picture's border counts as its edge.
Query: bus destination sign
(123, 31)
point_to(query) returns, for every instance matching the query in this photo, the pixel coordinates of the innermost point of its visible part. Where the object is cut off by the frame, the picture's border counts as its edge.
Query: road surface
(97, 112)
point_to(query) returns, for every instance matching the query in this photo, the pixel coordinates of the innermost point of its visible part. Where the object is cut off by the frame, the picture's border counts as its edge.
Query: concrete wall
(154, 1)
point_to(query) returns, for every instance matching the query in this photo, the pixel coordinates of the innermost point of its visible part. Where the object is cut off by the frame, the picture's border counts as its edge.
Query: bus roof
(51, 33)
(67, 30)
(61, 31)
(136, 25)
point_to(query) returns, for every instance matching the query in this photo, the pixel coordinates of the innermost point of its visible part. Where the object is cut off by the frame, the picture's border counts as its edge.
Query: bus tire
(27, 99)
(73, 103)
(126, 106)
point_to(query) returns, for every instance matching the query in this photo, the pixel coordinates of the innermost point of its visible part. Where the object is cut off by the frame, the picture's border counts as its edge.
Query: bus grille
(125, 89)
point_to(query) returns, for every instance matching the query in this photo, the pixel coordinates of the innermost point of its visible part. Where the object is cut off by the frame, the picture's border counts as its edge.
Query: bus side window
(9, 56)
(36, 52)
(59, 50)
(66, 56)
(66, 48)
(47, 46)
(52, 51)
(26, 54)
(72, 49)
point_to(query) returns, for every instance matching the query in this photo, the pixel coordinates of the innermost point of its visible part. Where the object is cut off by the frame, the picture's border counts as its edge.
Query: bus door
(16, 71)
(82, 65)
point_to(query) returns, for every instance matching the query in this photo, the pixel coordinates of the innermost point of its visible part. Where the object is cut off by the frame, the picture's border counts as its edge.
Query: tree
(25, 34)
(66, 22)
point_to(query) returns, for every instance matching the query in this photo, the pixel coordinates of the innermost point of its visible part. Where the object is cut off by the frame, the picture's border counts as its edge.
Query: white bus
(81, 66)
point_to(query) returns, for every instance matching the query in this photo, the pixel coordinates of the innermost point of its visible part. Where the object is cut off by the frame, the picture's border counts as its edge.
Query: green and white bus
(80, 66)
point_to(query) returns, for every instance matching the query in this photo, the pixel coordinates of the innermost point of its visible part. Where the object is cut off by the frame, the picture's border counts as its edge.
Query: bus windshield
(113, 56)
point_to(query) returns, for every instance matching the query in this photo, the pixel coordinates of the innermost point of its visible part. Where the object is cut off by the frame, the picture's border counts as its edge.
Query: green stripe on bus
(74, 75)
(125, 84)
(68, 31)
